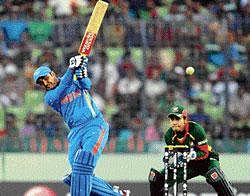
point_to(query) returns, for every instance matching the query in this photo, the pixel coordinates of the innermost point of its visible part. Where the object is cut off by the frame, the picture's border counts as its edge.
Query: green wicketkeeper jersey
(193, 136)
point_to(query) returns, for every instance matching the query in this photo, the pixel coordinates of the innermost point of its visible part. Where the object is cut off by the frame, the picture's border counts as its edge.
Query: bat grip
(79, 67)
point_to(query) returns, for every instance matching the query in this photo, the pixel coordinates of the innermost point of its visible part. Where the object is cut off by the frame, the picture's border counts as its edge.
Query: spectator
(29, 128)
(135, 6)
(218, 88)
(53, 126)
(155, 87)
(154, 130)
(40, 121)
(168, 100)
(28, 70)
(120, 119)
(129, 87)
(111, 108)
(194, 87)
(120, 129)
(105, 75)
(13, 142)
(201, 116)
(125, 64)
(15, 85)
(153, 66)
(242, 19)
(239, 108)
(174, 13)
(149, 11)
(62, 8)
(40, 28)
(4, 50)
(66, 32)
(201, 70)
(14, 29)
(238, 52)
(135, 141)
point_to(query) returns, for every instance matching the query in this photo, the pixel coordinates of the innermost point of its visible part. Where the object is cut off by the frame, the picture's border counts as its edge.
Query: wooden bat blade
(93, 26)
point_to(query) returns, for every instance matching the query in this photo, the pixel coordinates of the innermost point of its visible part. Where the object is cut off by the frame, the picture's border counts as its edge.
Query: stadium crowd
(137, 68)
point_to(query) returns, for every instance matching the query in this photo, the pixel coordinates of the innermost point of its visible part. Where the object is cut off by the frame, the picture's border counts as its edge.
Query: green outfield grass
(112, 167)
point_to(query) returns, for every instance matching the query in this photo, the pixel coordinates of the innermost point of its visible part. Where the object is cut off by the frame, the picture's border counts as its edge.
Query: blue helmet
(40, 72)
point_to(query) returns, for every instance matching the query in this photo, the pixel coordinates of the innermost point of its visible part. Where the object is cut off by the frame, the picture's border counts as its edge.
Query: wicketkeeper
(203, 160)
(88, 129)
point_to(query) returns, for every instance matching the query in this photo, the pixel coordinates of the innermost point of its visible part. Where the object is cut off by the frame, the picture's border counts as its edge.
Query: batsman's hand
(81, 72)
(78, 61)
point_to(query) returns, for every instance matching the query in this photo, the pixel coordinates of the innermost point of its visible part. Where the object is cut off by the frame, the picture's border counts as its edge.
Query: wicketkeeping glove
(192, 155)
(171, 160)
(81, 72)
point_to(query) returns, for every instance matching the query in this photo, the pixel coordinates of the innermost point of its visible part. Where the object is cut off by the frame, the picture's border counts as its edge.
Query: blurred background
(137, 67)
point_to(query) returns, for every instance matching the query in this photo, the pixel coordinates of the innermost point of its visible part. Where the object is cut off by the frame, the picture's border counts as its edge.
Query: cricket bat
(93, 26)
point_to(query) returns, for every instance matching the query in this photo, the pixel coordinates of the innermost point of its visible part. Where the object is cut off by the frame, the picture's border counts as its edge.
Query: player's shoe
(67, 179)
(125, 192)
(122, 192)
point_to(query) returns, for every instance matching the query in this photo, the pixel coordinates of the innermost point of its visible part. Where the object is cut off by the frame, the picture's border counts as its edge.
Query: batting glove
(85, 62)
(78, 61)
(81, 72)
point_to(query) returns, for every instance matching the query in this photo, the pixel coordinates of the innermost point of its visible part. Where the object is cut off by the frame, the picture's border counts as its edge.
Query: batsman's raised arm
(55, 87)
(81, 74)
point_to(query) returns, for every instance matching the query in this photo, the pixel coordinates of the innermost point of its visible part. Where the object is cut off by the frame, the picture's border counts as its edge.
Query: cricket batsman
(202, 160)
(88, 129)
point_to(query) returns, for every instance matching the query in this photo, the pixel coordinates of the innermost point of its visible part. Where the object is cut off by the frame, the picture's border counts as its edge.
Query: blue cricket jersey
(72, 100)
